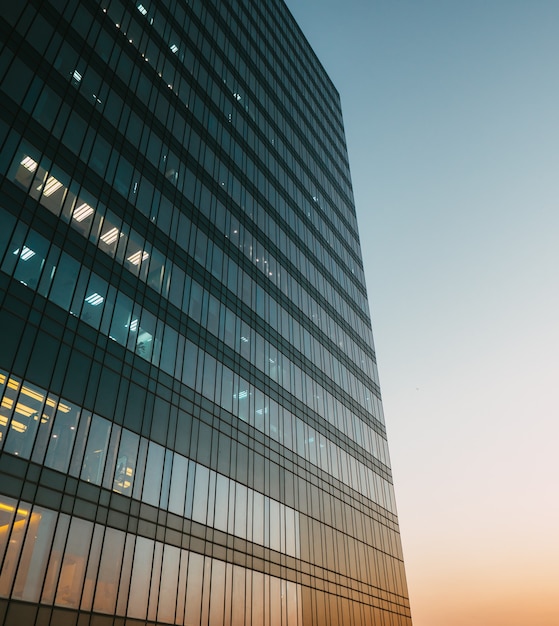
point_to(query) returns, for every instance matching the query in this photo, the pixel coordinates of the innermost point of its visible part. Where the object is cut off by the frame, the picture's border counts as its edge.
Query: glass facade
(191, 429)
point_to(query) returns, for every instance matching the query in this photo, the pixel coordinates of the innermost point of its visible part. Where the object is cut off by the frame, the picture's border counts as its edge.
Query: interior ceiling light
(26, 253)
(29, 164)
(110, 236)
(82, 212)
(138, 257)
(94, 299)
(52, 185)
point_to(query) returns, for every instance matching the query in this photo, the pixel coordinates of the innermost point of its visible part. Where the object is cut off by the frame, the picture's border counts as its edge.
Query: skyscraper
(191, 429)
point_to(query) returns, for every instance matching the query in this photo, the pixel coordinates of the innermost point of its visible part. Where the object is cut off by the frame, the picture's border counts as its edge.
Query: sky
(451, 111)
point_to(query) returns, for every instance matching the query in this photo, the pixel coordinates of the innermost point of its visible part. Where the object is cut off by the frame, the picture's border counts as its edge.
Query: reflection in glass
(169, 577)
(109, 571)
(55, 560)
(34, 558)
(92, 568)
(194, 589)
(141, 574)
(74, 563)
(154, 471)
(11, 539)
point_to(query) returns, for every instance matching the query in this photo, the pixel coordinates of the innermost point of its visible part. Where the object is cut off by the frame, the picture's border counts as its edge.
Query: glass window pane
(45, 427)
(239, 593)
(9, 387)
(96, 450)
(178, 484)
(55, 560)
(7, 222)
(154, 472)
(74, 564)
(110, 234)
(156, 270)
(217, 595)
(125, 575)
(168, 352)
(120, 324)
(35, 555)
(92, 568)
(221, 502)
(168, 589)
(241, 495)
(126, 463)
(146, 334)
(200, 504)
(25, 166)
(135, 257)
(109, 571)
(64, 283)
(11, 539)
(54, 190)
(141, 573)
(94, 301)
(62, 437)
(30, 259)
(25, 420)
(194, 589)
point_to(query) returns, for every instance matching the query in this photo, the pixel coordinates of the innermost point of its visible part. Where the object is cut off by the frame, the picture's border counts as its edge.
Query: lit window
(94, 299)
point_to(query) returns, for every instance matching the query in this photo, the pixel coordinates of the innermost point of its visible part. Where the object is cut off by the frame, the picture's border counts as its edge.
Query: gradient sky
(452, 120)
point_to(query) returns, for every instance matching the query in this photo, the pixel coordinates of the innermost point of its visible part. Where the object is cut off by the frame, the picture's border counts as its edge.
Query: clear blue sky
(452, 120)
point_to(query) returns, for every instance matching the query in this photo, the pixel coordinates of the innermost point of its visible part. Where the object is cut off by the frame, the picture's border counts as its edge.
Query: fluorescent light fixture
(29, 164)
(26, 253)
(110, 236)
(82, 212)
(94, 299)
(174, 48)
(138, 257)
(52, 185)
(77, 76)
(26, 411)
(244, 339)
(237, 96)
(134, 325)
(142, 9)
